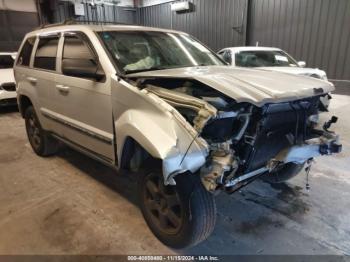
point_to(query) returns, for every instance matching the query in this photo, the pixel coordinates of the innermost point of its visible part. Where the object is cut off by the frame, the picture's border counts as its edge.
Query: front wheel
(179, 216)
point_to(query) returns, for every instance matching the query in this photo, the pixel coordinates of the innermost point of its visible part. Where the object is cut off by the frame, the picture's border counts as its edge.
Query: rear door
(44, 74)
(36, 71)
(82, 104)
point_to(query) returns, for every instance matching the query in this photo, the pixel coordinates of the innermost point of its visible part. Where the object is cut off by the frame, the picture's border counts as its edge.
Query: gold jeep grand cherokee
(160, 103)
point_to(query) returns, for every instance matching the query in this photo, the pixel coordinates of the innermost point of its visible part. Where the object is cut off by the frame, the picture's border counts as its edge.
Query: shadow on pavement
(8, 109)
(124, 183)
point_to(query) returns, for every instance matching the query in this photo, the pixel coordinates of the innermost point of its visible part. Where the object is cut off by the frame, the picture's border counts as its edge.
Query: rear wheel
(283, 173)
(42, 143)
(181, 215)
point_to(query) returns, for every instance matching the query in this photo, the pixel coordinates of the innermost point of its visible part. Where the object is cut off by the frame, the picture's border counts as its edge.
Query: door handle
(62, 88)
(32, 80)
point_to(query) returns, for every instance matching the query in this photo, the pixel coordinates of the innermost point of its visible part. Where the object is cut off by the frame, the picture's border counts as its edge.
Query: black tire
(193, 206)
(42, 143)
(283, 173)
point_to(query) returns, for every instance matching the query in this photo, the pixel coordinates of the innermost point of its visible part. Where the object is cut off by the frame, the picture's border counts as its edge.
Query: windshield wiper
(145, 70)
(162, 68)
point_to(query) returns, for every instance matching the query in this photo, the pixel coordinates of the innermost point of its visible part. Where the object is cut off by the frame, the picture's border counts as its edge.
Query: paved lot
(70, 204)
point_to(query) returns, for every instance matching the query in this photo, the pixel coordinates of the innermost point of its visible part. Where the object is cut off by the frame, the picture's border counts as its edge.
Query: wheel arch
(169, 142)
(134, 155)
(23, 103)
(134, 135)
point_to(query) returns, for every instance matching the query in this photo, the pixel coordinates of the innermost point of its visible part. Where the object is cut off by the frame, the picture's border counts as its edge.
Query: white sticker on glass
(281, 58)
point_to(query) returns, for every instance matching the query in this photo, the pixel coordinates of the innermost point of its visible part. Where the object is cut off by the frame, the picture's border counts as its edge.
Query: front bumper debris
(327, 144)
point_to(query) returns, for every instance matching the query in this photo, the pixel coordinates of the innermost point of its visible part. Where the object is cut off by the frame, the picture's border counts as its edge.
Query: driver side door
(82, 103)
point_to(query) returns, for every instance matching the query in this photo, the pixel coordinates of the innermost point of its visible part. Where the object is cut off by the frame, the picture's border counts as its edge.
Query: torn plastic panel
(203, 111)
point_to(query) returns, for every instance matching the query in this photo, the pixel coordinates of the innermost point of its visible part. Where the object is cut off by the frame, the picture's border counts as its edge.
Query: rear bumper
(8, 98)
(8, 102)
(7, 94)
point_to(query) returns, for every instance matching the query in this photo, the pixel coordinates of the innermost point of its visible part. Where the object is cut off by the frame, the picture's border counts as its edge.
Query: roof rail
(77, 22)
(65, 22)
(98, 22)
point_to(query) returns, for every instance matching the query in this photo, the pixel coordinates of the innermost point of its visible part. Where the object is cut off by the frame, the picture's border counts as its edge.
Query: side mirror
(84, 68)
(301, 64)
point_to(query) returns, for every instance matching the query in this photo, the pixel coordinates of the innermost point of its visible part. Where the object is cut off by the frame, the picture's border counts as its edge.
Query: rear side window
(26, 52)
(6, 61)
(46, 53)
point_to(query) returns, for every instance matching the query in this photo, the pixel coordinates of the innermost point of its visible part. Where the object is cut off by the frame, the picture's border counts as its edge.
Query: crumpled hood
(295, 70)
(249, 85)
(6, 76)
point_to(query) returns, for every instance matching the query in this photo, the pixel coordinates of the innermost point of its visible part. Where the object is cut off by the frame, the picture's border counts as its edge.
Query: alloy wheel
(34, 131)
(163, 203)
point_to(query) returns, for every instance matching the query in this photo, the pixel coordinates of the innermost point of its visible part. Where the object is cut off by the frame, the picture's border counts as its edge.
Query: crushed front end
(276, 134)
(244, 140)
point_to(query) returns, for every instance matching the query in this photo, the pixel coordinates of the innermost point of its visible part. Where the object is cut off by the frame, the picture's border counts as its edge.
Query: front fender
(146, 132)
(165, 140)
(158, 128)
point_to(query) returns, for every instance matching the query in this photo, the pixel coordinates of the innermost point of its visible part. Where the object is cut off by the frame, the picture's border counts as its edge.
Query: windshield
(145, 51)
(264, 58)
(6, 61)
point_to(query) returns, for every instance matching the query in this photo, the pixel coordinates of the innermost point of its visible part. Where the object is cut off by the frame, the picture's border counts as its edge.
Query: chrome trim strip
(78, 128)
(85, 151)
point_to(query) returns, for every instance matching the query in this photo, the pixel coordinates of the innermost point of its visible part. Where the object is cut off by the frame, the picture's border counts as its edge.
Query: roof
(252, 48)
(99, 28)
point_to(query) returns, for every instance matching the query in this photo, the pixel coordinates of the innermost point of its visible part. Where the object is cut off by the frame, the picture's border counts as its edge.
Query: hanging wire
(87, 12)
(59, 12)
(104, 12)
(114, 17)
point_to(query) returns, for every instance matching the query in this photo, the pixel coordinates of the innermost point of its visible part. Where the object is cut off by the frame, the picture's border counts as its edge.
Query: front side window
(264, 58)
(76, 49)
(79, 59)
(145, 51)
(6, 61)
(26, 52)
(46, 53)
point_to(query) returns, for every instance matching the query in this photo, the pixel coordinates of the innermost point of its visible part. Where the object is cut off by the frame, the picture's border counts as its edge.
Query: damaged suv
(160, 102)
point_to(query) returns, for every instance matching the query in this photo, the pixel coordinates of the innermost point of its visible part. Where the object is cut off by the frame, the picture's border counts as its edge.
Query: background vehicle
(7, 80)
(160, 103)
(268, 58)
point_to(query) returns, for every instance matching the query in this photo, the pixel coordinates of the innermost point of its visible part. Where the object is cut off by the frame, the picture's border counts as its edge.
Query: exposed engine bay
(245, 140)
